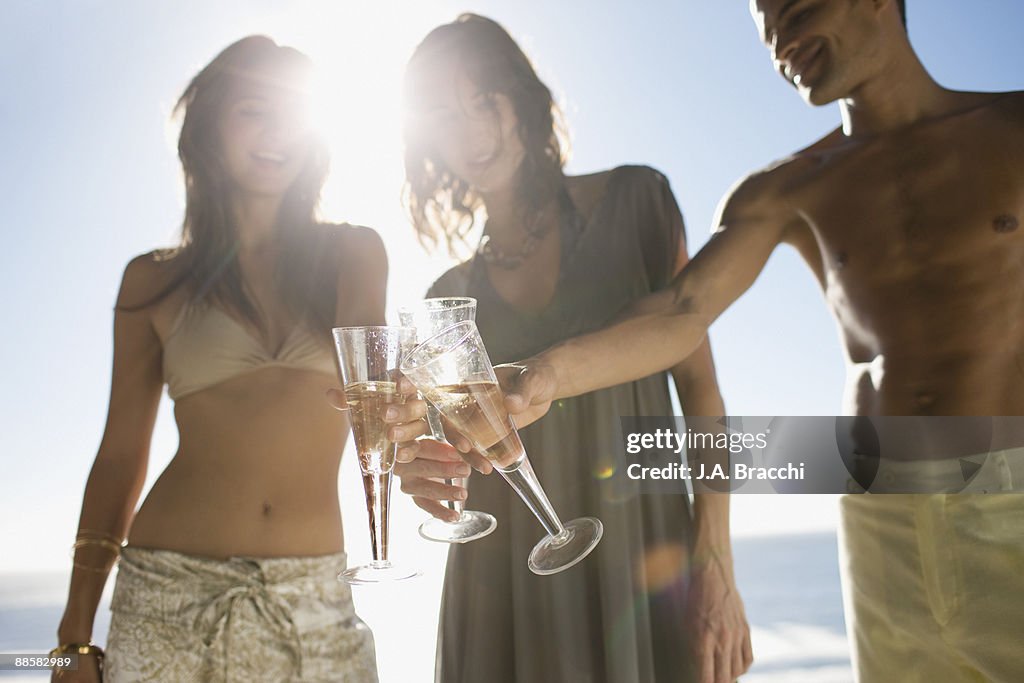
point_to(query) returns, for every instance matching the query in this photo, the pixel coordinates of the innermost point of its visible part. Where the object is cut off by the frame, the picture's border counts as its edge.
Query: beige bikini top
(207, 346)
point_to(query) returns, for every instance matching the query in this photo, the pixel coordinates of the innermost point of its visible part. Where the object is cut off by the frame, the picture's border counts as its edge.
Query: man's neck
(900, 95)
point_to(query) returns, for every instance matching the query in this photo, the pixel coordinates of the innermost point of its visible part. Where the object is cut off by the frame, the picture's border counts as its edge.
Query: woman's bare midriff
(256, 472)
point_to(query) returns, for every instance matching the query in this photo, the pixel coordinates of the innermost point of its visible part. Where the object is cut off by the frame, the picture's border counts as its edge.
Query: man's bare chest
(914, 205)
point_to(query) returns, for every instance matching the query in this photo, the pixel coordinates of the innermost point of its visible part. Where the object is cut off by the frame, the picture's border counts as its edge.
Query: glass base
(377, 572)
(472, 525)
(557, 553)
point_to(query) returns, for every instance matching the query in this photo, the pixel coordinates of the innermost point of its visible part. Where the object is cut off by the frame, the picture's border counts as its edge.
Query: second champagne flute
(369, 358)
(453, 372)
(429, 317)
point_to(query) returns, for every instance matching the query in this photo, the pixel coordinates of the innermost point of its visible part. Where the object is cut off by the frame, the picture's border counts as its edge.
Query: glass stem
(437, 431)
(378, 492)
(522, 478)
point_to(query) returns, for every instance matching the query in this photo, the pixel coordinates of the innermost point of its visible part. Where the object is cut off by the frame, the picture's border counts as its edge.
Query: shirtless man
(909, 216)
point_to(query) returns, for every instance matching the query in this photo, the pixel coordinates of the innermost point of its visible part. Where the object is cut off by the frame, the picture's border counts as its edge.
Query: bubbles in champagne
(367, 402)
(477, 410)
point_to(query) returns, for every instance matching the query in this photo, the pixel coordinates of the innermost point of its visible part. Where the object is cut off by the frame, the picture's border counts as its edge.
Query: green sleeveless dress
(617, 616)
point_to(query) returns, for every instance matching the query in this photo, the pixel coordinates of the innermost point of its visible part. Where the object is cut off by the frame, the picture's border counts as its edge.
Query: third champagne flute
(453, 372)
(429, 317)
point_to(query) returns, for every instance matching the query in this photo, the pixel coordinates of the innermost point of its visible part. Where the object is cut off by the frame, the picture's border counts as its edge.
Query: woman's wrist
(75, 629)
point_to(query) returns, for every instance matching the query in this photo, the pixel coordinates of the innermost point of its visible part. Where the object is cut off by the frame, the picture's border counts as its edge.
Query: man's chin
(817, 95)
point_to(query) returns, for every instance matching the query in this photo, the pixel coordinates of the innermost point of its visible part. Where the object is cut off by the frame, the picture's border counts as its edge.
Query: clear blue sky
(90, 178)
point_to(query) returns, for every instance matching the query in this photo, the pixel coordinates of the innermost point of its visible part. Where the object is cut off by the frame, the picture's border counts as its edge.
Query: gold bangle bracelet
(89, 533)
(103, 543)
(77, 649)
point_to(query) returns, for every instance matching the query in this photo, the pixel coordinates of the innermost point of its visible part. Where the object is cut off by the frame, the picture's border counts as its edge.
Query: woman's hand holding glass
(421, 462)
(433, 477)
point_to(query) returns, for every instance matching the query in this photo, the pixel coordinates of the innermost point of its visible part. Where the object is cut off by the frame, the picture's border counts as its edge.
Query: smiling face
(478, 121)
(472, 132)
(265, 136)
(825, 48)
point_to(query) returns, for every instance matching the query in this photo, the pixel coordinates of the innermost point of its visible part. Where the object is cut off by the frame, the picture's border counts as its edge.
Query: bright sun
(360, 51)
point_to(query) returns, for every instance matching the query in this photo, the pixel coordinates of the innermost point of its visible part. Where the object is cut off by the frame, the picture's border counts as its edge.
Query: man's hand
(716, 621)
(529, 388)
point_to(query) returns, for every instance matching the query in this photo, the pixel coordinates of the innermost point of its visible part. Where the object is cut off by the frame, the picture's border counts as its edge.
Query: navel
(266, 509)
(1005, 223)
(842, 259)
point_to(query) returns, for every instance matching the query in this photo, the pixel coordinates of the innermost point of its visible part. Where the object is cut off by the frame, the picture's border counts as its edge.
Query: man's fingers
(520, 388)
(738, 667)
(528, 390)
(706, 659)
(748, 649)
(723, 660)
(516, 403)
(336, 397)
(436, 509)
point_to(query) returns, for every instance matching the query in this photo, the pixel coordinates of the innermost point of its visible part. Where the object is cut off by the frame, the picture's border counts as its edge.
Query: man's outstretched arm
(660, 330)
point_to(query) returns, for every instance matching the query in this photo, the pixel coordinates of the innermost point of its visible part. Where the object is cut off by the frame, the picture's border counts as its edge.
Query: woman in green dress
(560, 256)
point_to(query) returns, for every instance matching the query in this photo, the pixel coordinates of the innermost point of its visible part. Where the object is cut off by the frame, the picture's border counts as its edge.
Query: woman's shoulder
(629, 179)
(453, 282)
(352, 244)
(147, 276)
(349, 235)
(637, 177)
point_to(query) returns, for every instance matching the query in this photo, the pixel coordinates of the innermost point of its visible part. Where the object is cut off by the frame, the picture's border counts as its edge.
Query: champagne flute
(453, 372)
(369, 358)
(429, 317)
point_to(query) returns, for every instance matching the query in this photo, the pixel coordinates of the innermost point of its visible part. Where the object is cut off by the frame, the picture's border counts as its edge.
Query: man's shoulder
(992, 110)
(770, 182)
(1009, 105)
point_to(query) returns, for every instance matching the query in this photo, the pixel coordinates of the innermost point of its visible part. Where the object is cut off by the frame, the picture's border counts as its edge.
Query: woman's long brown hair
(205, 260)
(440, 205)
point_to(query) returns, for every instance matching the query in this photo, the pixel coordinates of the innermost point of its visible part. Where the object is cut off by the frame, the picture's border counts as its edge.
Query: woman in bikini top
(236, 321)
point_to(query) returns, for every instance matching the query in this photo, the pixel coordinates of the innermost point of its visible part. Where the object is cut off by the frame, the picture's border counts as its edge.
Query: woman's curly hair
(440, 205)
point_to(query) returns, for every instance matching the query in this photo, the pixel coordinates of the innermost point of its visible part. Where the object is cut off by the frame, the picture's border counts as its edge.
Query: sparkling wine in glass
(369, 358)
(429, 317)
(453, 372)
